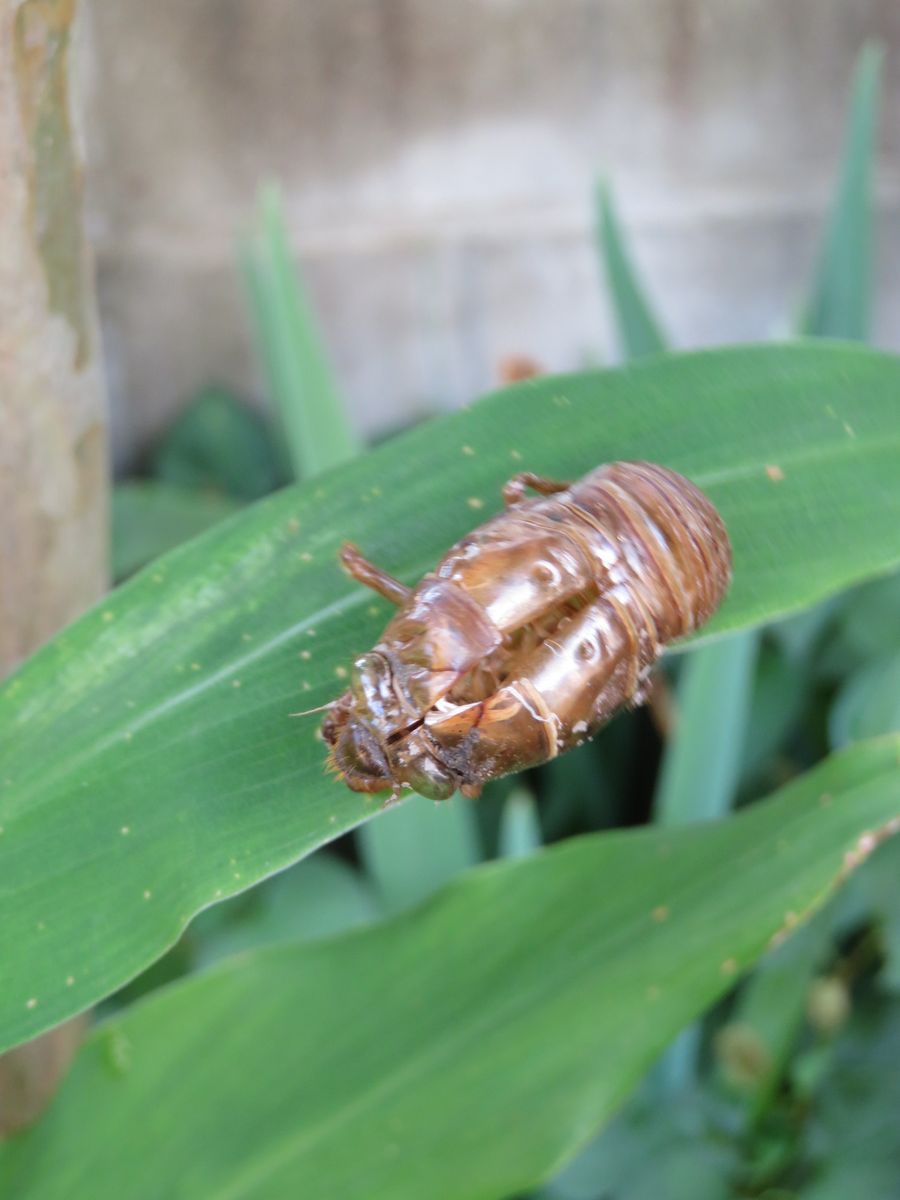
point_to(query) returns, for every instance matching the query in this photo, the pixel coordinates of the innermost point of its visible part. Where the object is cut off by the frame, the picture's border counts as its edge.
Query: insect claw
(391, 800)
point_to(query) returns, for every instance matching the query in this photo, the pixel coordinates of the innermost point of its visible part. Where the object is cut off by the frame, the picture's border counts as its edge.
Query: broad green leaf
(464, 1049)
(149, 518)
(291, 348)
(840, 302)
(639, 331)
(149, 764)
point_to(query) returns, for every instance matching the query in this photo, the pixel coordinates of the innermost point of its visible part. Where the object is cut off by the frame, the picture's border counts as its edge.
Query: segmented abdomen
(588, 586)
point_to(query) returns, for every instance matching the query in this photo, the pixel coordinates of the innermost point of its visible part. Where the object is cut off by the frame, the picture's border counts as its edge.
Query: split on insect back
(530, 632)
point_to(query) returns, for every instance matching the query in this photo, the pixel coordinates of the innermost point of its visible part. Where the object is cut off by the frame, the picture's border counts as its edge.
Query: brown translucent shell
(530, 632)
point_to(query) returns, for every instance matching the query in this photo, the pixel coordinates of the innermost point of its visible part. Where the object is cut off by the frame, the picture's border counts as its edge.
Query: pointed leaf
(465, 1049)
(149, 764)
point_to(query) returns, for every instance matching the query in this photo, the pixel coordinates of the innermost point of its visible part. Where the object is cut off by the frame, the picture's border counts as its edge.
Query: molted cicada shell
(531, 631)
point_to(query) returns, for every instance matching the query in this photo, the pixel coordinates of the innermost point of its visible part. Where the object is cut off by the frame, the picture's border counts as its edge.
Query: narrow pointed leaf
(840, 302)
(291, 348)
(702, 761)
(639, 331)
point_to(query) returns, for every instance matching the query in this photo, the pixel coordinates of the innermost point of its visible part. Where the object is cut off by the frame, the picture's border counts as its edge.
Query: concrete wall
(438, 162)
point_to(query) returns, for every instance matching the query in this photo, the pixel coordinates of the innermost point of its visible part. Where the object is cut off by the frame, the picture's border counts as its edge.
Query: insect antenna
(319, 708)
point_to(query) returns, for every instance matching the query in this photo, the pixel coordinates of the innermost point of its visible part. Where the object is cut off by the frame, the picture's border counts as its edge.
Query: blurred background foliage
(789, 1087)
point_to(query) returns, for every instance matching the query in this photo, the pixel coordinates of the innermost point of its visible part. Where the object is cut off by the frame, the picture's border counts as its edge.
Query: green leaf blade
(841, 298)
(640, 334)
(165, 711)
(319, 435)
(449, 1056)
(701, 764)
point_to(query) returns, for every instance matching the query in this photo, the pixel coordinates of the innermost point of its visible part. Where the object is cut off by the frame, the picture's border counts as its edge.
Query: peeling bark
(53, 475)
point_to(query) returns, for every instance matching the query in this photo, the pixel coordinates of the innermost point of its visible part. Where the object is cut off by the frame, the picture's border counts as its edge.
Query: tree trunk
(53, 476)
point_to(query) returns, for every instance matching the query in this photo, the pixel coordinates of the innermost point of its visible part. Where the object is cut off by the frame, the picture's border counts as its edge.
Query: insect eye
(360, 758)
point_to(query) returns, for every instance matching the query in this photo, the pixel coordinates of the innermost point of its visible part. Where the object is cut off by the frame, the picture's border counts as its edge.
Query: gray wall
(438, 162)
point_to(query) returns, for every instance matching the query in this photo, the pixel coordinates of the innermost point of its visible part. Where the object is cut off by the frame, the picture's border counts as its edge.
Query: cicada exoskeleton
(530, 632)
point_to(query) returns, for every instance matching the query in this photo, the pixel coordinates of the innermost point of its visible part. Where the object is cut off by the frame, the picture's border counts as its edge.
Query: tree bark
(53, 474)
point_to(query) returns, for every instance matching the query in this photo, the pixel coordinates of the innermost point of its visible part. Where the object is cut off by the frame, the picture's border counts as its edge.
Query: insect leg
(371, 576)
(514, 489)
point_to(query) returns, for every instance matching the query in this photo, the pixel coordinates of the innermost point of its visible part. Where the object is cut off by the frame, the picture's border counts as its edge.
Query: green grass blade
(702, 762)
(520, 827)
(291, 350)
(414, 849)
(701, 765)
(639, 332)
(840, 301)
(464, 1049)
(149, 764)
